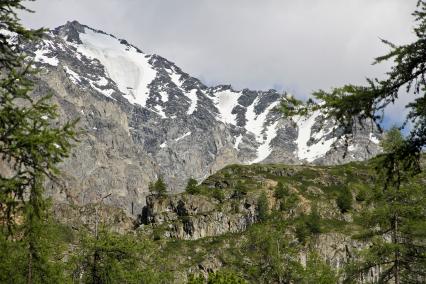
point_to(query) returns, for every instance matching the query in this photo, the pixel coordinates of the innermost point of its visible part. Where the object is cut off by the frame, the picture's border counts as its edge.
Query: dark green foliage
(262, 207)
(308, 225)
(159, 187)
(218, 195)
(218, 277)
(396, 223)
(318, 272)
(302, 232)
(32, 144)
(225, 277)
(287, 200)
(281, 191)
(313, 222)
(113, 258)
(361, 195)
(399, 251)
(276, 258)
(50, 240)
(192, 187)
(344, 200)
(240, 190)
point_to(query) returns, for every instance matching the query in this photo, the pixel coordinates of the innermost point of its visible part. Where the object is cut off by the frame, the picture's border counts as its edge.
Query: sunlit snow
(191, 95)
(183, 136)
(160, 111)
(74, 77)
(265, 150)
(238, 141)
(313, 151)
(128, 68)
(40, 56)
(255, 124)
(225, 102)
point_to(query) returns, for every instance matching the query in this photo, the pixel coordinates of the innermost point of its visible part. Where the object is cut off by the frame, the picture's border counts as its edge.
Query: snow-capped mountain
(143, 117)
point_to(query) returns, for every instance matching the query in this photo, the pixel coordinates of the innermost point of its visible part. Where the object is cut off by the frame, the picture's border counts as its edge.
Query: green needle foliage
(344, 200)
(396, 224)
(159, 187)
(395, 230)
(192, 187)
(351, 105)
(31, 144)
(262, 207)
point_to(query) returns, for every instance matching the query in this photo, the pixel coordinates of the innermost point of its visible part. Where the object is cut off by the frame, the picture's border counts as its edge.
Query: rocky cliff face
(142, 117)
(204, 216)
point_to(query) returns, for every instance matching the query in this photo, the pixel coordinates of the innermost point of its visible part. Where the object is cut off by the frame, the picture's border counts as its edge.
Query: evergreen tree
(240, 190)
(159, 187)
(31, 146)
(317, 271)
(112, 258)
(396, 226)
(277, 259)
(262, 207)
(281, 191)
(351, 106)
(344, 200)
(192, 186)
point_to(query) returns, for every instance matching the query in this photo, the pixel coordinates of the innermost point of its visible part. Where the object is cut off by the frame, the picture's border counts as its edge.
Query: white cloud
(300, 45)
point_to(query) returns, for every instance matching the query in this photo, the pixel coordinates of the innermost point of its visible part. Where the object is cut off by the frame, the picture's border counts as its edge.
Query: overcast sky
(293, 45)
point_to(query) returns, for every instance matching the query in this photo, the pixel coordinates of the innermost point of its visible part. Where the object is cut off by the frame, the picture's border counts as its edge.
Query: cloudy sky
(297, 46)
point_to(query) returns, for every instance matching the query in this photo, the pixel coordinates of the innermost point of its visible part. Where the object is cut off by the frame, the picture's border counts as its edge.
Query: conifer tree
(192, 186)
(159, 187)
(262, 207)
(395, 224)
(31, 145)
(396, 227)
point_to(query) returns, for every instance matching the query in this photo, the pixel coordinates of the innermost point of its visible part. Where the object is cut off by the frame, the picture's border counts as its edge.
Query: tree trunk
(395, 241)
(30, 267)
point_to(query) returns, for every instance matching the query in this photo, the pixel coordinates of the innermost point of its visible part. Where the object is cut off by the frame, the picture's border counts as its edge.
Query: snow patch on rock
(237, 142)
(125, 65)
(40, 56)
(183, 136)
(225, 102)
(264, 149)
(313, 151)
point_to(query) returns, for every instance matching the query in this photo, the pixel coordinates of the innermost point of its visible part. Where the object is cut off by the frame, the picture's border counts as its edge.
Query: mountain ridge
(143, 112)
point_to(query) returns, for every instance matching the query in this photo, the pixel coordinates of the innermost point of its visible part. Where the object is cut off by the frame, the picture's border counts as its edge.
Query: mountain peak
(70, 31)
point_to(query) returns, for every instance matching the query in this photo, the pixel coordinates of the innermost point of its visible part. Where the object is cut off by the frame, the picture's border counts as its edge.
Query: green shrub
(159, 187)
(192, 279)
(302, 232)
(225, 277)
(240, 190)
(361, 195)
(313, 222)
(344, 200)
(192, 187)
(281, 191)
(317, 271)
(262, 207)
(289, 202)
(308, 225)
(218, 195)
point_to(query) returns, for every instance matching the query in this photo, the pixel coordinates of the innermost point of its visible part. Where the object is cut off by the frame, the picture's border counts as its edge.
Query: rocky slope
(226, 232)
(142, 116)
